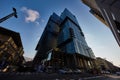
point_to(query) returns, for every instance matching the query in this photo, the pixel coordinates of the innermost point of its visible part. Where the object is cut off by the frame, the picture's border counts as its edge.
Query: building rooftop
(13, 34)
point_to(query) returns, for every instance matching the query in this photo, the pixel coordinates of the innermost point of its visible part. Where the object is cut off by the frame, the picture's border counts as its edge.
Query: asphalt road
(55, 76)
(105, 77)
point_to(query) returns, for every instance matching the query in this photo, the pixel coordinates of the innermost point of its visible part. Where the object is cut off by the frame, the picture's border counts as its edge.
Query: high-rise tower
(64, 44)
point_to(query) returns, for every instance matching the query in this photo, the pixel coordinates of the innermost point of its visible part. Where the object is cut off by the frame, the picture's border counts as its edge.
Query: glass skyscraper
(70, 30)
(64, 40)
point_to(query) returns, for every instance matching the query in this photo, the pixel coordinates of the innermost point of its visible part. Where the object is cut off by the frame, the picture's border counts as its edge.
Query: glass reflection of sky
(49, 56)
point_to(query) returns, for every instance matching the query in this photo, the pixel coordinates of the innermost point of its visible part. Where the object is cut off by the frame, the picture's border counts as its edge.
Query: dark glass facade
(64, 33)
(71, 31)
(48, 39)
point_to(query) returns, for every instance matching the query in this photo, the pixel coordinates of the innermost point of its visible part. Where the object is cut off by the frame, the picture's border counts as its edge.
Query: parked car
(65, 71)
(118, 73)
(62, 71)
(77, 71)
(49, 69)
(105, 72)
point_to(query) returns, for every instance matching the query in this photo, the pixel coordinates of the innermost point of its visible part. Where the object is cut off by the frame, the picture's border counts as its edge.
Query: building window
(71, 31)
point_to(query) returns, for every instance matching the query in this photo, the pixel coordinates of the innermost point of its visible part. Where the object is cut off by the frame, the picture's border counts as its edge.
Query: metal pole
(8, 16)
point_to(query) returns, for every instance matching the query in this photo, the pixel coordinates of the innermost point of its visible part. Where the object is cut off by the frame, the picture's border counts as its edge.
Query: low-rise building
(11, 48)
(105, 65)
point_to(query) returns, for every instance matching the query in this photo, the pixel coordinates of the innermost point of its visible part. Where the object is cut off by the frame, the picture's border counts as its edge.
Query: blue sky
(33, 16)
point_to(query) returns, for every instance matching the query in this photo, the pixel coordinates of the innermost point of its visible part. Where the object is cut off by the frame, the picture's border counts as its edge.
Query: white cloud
(31, 15)
(37, 23)
(42, 20)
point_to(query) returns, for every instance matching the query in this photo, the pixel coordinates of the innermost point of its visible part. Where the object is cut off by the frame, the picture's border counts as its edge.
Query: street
(106, 77)
(55, 76)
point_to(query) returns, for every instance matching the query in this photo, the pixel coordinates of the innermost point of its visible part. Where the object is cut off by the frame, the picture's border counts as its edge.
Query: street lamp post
(10, 15)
